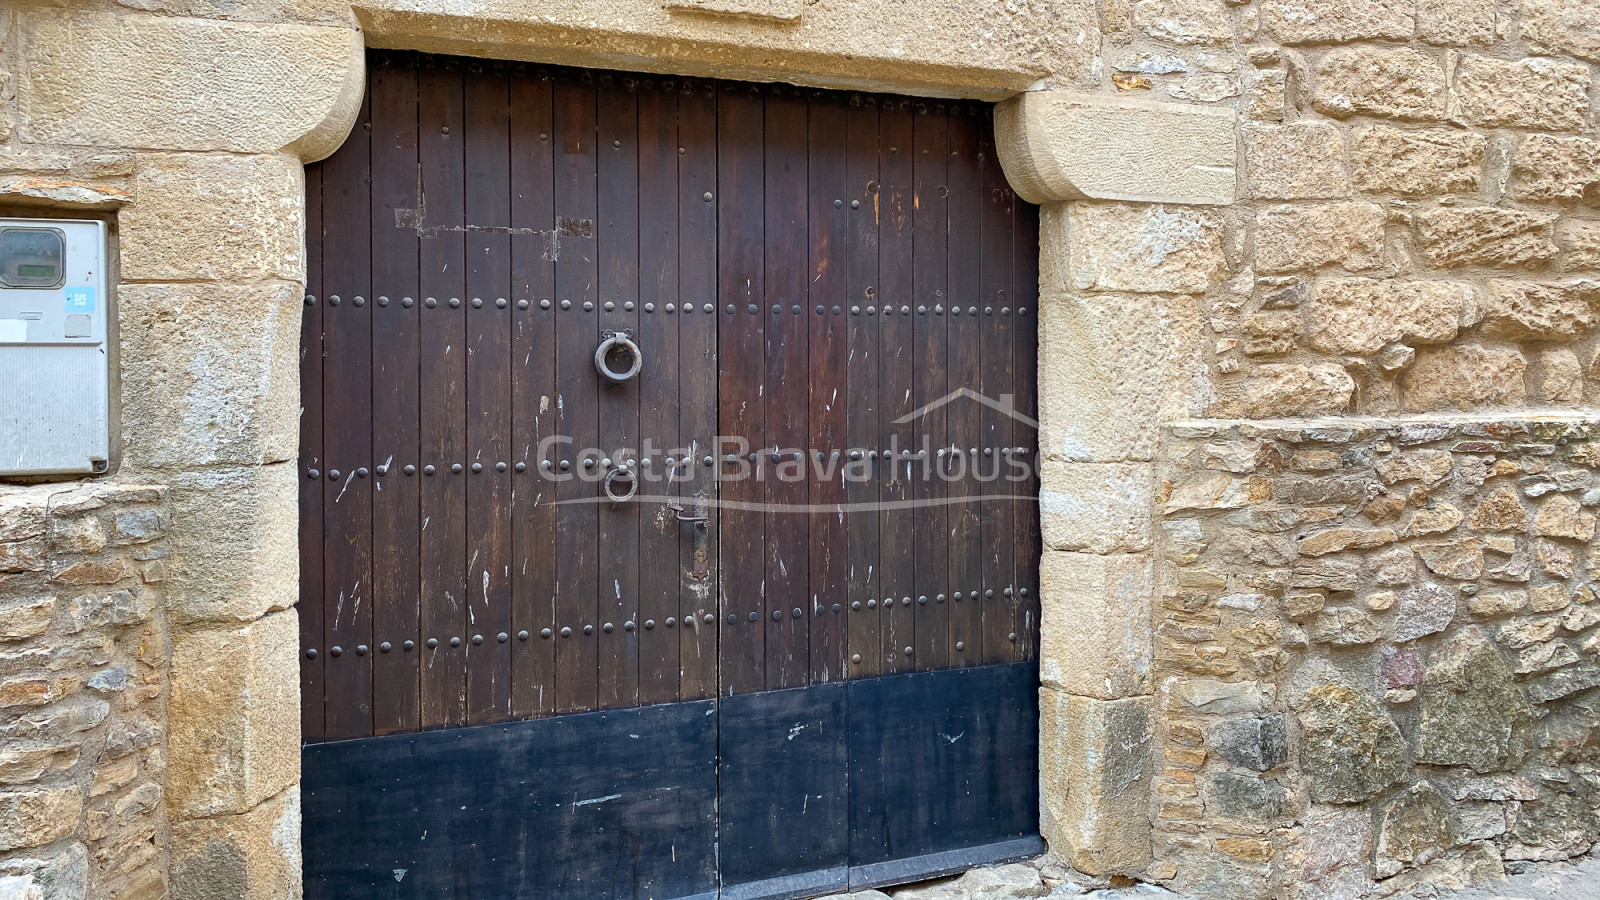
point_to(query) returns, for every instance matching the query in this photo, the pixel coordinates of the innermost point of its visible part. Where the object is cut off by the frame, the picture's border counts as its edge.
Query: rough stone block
(1579, 240)
(217, 368)
(1184, 21)
(1472, 711)
(246, 211)
(1246, 798)
(1138, 249)
(1339, 539)
(24, 512)
(1280, 390)
(1297, 22)
(60, 874)
(1425, 609)
(1094, 775)
(26, 617)
(1058, 145)
(1017, 881)
(1336, 843)
(1560, 378)
(1560, 516)
(1525, 93)
(252, 856)
(1533, 311)
(1094, 628)
(1268, 95)
(1546, 167)
(1299, 161)
(1307, 238)
(1399, 84)
(1112, 369)
(1206, 87)
(1361, 315)
(1489, 604)
(1485, 236)
(1456, 23)
(1343, 627)
(234, 717)
(236, 543)
(34, 817)
(1098, 507)
(1187, 696)
(100, 78)
(1350, 750)
(23, 556)
(1258, 744)
(1417, 828)
(1428, 466)
(1563, 27)
(1422, 163)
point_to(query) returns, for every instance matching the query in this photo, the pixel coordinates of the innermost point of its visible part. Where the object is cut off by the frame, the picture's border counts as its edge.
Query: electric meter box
(55, 348)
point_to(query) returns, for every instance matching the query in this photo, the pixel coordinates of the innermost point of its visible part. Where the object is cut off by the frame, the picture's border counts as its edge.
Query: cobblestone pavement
(1579, 880)
(1545, 881)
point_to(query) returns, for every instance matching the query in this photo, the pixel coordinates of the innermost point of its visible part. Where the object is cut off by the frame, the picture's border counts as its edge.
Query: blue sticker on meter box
(80, 299)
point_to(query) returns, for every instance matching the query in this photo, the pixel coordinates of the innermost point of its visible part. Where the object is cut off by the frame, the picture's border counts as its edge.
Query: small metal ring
(624, 474)
(618, 342)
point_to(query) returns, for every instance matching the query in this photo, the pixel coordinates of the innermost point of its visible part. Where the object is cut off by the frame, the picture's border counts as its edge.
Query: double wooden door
(827, 454)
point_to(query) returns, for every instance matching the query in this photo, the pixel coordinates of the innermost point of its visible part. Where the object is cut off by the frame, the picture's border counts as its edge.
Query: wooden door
(484, 226)
(828, 445)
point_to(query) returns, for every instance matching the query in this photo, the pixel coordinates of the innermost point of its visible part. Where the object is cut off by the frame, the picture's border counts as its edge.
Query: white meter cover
(54, 348)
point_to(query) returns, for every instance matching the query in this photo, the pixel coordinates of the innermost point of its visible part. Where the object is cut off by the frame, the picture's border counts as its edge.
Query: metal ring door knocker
(621, 484)
(618, 358)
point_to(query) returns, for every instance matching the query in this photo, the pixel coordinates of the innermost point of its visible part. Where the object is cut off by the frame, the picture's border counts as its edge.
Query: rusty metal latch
(678, 513)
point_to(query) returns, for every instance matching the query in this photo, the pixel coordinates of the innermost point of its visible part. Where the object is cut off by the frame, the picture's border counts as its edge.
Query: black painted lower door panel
(769, 796)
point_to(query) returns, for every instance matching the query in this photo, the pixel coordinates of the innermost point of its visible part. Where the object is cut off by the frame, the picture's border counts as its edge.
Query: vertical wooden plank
(533, 397)
(395, 526)
(830, 390)
(787, 397)
(487, 192)
(313, 652)
(861, 190)
(1025, 277)
(617, 240)
(439, 218)
(1000, 511)
(698, 384)
(896, 361)
(347, 395)
(577, 398)
(929, 384)
(660, 532)
(741, 412)
(966, 451)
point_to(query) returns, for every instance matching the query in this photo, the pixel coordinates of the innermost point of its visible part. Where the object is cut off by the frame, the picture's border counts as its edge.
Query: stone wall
(84, 658)
(1375, 651)
(185, 125)
(1409, 230)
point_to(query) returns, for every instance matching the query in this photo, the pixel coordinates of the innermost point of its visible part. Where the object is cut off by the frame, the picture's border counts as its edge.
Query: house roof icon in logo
(1006, 406)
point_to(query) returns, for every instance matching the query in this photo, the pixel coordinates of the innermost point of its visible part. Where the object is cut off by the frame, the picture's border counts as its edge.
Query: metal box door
(55, 412)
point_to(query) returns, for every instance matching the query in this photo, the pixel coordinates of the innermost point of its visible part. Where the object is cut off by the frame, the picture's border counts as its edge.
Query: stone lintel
(129, 79)
(1058, 145)
(929, 48)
